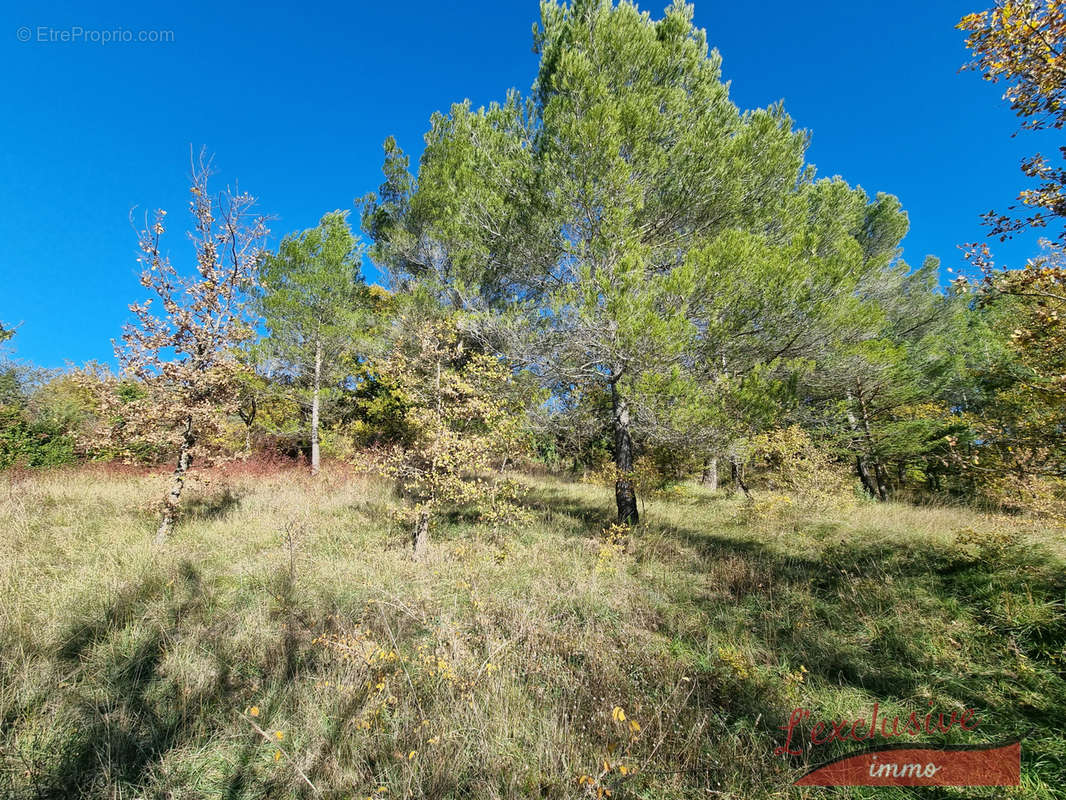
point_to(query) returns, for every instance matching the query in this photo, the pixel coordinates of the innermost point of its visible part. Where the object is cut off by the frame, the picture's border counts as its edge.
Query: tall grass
(283, 644)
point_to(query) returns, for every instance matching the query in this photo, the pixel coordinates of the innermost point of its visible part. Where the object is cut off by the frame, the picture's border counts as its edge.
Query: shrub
(788, 461)
(32, 443)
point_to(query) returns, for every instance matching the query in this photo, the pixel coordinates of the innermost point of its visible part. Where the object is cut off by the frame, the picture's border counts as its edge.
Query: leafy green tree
(771, 306)
(316, 307)
(1021, 414)
(576, 209)
(886, 393)
(628, 233)
(32, 442)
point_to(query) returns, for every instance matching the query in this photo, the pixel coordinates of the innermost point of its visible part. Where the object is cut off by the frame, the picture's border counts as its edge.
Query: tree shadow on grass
(936, 579)
(282, 670)
(211, 506)
(125, 709)
(555, 506)
(881, 619)
(118, 726)
(872, 617)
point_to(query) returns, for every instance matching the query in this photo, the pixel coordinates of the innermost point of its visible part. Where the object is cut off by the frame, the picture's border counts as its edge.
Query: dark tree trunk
(869, 471)
(877, 473)
(247, 416)
(882, 482)
(624, 494)
(170, 503)
(737, 476)
(864, 475)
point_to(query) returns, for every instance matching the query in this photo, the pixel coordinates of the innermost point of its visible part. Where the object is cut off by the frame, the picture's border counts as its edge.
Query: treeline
(621, 273)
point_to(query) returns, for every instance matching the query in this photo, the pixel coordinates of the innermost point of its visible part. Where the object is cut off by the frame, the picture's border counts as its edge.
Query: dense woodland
(619, 274)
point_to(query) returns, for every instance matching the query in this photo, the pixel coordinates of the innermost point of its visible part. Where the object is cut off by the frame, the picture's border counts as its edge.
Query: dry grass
(491, 670)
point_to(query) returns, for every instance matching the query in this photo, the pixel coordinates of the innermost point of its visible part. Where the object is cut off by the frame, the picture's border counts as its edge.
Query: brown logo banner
(903, 765)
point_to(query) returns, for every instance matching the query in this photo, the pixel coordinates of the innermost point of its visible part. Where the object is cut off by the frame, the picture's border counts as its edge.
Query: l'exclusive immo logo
(897, 764)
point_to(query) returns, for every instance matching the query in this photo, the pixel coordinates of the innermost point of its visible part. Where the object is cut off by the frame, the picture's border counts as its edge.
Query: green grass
(130, 672)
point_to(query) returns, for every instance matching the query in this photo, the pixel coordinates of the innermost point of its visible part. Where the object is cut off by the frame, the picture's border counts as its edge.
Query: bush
(24, 442)
(788, 462)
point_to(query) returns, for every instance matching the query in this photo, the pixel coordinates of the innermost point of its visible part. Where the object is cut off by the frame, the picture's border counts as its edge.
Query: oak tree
(184, 353)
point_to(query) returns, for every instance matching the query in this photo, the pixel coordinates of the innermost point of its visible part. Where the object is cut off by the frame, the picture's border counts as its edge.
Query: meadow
(284, 643)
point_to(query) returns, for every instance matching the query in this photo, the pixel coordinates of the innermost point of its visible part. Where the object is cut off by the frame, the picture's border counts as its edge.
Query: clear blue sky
(295, 103)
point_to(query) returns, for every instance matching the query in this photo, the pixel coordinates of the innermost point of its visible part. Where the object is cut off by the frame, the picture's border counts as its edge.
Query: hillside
(284, 637)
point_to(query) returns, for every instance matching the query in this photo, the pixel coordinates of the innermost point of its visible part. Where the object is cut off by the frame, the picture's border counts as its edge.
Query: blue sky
(296, 100)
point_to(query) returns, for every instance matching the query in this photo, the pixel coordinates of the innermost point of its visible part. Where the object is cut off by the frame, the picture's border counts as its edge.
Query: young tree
(1025, 414)
(185, 355)
(316, 307)
(460, 424)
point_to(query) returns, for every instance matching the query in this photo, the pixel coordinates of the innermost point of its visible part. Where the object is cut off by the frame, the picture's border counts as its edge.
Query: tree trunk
(420, 535)
(737, 476)
(315, 458)
(624, 494)
(864, 476)
(866, 469)
(710, 473)
(420, 538)
(248, 418)
(170, 503)
(878, 473)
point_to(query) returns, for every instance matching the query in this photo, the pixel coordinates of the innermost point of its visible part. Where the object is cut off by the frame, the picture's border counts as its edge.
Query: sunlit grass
(498, 666)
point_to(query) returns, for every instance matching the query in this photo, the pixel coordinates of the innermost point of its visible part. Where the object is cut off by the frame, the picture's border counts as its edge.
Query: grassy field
(284, 638)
